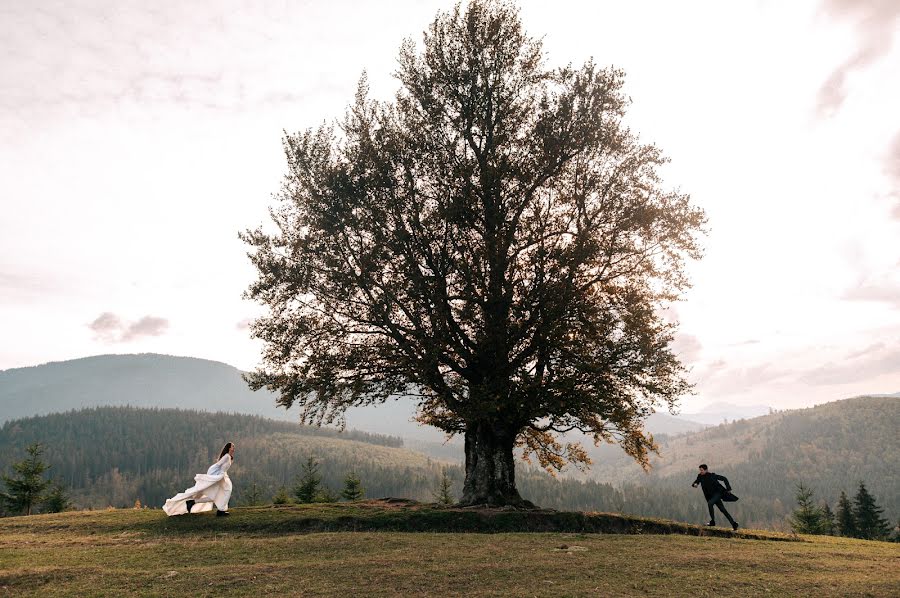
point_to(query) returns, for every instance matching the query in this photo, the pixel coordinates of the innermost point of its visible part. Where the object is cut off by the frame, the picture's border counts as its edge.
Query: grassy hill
(270, 551)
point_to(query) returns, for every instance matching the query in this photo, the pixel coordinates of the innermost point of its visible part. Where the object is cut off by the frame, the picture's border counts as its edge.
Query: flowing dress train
(211, 488)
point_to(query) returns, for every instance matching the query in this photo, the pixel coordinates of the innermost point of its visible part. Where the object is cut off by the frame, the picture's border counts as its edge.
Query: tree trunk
(490, 469)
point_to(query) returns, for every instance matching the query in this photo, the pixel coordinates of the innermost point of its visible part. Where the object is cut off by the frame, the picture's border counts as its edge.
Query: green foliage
(443, 493)
(807, 518)
(308, 486)
(26, 488)
(326, 494)
(281, 497)
(870, 525)
(845, 520)
(353, 489)
(57, 499)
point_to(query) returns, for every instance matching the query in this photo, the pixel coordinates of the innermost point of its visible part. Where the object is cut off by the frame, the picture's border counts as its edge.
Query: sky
(138, 139)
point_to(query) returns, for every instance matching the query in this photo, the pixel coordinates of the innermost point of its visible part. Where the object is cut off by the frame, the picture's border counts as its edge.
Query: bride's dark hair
(225, 450)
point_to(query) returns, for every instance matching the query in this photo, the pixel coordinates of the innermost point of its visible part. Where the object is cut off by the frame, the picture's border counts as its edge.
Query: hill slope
(255, 552)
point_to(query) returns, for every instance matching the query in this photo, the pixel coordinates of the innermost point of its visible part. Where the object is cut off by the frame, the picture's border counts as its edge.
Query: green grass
(312, 551)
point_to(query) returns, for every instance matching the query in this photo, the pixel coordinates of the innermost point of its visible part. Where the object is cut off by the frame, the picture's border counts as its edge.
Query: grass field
(311, 551)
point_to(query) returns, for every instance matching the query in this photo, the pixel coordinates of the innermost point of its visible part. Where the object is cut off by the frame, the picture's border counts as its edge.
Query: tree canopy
(493, 241)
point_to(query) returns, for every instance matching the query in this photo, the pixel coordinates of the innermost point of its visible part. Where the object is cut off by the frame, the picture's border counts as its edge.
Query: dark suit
(715, 493)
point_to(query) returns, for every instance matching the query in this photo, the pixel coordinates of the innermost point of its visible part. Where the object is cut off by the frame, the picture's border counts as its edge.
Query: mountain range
(154, 380)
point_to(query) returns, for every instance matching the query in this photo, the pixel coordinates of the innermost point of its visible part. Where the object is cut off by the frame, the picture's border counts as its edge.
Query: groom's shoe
(221, 513)
(734, 525)
(711, 524)
(190, 505)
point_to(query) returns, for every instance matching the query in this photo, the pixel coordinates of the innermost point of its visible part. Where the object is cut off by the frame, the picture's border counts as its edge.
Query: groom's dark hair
(225, 450)
(703, 466)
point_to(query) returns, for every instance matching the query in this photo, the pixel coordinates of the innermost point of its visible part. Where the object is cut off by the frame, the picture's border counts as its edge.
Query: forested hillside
(830, 447)
(116, 455)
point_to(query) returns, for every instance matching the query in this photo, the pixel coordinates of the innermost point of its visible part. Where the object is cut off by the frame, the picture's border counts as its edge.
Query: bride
(211, 488)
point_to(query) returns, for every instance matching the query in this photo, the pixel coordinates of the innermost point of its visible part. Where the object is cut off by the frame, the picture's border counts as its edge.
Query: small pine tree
(281, 497)
(869, 523)
(254, 496)
(442, 495)
(57, 499)
(325, 494)
(828, 525)
(353, 489)
(846, 522)
(807, 517)
(27, 489)
(308, 487)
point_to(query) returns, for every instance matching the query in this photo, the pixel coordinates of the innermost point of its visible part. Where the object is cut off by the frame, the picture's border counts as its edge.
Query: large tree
(493, 242)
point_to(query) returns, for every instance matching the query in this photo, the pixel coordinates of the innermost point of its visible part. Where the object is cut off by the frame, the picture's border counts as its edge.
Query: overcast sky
(136, 142)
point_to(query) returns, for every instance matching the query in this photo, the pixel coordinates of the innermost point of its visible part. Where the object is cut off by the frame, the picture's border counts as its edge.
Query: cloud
(866, 351)
(875, 22)
(749, 341)
(90, 58)
(866, 364)
(26, 288)
(146, 326)
(892, 170)
(687, 347)
(110, 328)
(721, 380)
(881, 291)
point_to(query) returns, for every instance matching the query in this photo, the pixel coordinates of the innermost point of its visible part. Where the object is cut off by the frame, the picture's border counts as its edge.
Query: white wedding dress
(211, 488)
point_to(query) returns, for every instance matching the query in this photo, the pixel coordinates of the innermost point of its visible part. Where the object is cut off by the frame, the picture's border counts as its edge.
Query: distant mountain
(717, 413)
(145, 380)
(664, 423)
(166, 381)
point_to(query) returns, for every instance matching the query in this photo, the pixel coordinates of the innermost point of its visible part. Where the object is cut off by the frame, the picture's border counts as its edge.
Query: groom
(715, 493)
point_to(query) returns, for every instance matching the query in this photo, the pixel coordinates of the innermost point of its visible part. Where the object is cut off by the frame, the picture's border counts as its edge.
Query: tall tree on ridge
(494, 242)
